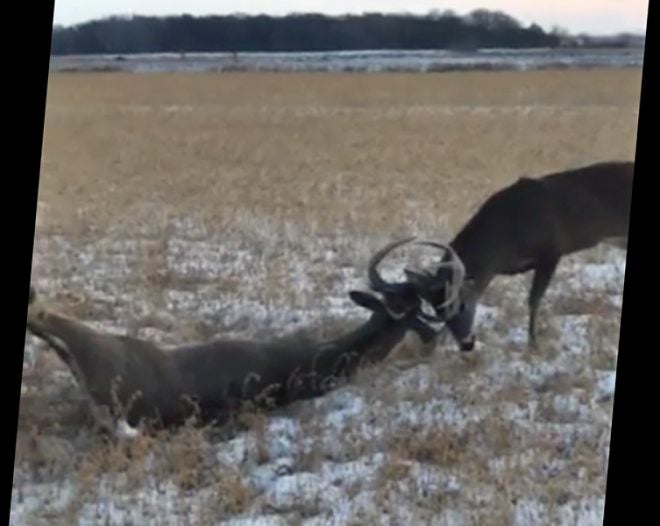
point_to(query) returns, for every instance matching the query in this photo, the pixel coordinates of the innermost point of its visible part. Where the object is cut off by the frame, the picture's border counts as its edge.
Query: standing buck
(530, 225)
(144, 381)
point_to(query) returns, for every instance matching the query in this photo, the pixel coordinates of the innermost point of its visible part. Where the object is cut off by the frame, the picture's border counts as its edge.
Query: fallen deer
(531, 225)
(151, 383)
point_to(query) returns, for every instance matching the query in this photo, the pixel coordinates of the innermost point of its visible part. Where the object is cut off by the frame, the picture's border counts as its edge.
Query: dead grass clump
(604, 339)
(495, 435)
(156, 273)
(231, 494)
(184, 456)
(560, 383)
(573, 305)
(513, 393)
(439, 446)
(309, 458)
(257, 422)
(46, 458)
(394, 469)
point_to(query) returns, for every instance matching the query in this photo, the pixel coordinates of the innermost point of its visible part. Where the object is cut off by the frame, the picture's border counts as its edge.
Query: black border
(26, 75)
(625, 499)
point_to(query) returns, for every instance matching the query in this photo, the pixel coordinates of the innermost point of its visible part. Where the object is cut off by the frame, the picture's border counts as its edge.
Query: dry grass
(359, 153)
(286, 167)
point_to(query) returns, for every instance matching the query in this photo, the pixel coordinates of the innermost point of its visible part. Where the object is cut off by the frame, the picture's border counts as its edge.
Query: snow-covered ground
(504, 435)
(363, 61)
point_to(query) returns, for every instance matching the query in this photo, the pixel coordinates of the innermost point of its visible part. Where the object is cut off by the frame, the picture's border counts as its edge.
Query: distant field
(181, 207)
(406, 61)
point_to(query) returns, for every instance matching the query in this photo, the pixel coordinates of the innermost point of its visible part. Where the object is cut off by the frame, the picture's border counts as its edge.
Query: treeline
(299, 32)
(622, 40)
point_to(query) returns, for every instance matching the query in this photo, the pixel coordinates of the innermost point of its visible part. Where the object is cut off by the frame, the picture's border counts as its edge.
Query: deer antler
(375, 279)
(457, 271)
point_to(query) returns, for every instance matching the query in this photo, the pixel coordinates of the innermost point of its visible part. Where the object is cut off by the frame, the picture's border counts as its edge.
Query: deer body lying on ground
(130, 380)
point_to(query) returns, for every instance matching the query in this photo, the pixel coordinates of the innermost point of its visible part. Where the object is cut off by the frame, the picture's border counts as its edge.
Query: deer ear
(367, 300)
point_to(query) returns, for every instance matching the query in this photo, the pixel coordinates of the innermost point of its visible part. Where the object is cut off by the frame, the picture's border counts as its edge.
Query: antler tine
(375, 280)
(457, 267)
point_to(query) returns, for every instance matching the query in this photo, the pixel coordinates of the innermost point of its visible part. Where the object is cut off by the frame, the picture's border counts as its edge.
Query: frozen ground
(504, 436)
(375, 60)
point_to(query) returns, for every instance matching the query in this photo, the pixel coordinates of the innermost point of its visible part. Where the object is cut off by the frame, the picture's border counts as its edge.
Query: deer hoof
(468, 345)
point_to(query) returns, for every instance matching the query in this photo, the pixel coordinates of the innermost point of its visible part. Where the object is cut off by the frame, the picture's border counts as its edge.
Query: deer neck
(372, 341)
(372, 337)
(462, 246)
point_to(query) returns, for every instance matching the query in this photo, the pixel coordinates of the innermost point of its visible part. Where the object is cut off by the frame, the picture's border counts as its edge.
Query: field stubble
(180, 207)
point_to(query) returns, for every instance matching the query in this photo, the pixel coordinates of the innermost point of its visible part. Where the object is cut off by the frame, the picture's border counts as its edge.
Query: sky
(590, 16)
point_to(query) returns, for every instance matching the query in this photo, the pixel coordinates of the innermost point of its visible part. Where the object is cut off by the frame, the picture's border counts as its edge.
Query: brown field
(161, 194)
(364, 152)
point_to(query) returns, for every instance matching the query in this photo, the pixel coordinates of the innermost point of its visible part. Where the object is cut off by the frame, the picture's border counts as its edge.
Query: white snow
(363, 60)
(339, 460)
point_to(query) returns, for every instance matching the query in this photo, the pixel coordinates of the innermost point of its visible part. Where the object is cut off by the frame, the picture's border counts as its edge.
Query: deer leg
(462, 325)
(117, 427)
(542, 275)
